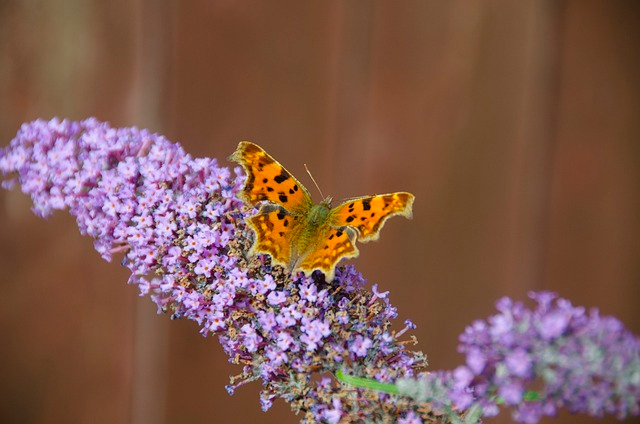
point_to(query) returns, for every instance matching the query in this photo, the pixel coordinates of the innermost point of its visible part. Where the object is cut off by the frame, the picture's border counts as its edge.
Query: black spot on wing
(366, 204)
(283, 198)
(284, 175)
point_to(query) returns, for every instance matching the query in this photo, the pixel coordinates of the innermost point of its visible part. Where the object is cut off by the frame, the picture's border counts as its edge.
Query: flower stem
(367, 383)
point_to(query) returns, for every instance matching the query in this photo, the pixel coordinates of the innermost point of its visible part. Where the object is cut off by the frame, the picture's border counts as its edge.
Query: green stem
(367, 383)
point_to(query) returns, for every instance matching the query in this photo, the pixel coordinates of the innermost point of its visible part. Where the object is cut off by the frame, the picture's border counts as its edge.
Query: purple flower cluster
(181, 229)
(537, 361)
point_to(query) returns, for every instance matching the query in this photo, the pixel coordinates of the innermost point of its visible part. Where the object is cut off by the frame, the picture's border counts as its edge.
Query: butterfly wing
(332, 245)
(368, 214)
(275, 230)
(270, 181)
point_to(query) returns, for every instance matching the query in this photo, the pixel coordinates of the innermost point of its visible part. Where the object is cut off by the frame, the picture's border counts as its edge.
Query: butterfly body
(319, 213)
(316, 220)
(299, 234)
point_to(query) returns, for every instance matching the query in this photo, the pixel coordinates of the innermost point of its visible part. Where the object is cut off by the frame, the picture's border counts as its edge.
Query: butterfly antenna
(314, 180)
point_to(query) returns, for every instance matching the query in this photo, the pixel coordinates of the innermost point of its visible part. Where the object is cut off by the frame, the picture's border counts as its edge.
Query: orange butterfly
(302, 236)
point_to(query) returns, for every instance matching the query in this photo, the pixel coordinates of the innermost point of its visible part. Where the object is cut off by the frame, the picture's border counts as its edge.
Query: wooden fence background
(516, 125)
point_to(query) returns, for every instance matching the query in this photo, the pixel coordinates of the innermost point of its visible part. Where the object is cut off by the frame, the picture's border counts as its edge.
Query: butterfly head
(319, 213)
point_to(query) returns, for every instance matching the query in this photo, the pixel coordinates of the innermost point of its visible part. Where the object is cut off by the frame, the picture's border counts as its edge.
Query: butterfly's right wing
(270, 181)
(368, 214)
(332, 245)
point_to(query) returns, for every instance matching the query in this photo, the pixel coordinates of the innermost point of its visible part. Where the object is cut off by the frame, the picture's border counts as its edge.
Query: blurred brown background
(515, 124)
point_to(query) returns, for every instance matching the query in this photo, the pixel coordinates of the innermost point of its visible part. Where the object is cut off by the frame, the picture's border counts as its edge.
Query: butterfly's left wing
(275, 230)
(270, 181)
(368, 214)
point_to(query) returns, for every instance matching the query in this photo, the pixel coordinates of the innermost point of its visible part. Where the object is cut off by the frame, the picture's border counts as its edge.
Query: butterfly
(295, 232)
